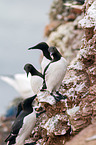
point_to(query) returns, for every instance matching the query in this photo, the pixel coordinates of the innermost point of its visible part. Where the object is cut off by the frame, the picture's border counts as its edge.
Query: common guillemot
(55, 71)
(36, 77)
(23, 124)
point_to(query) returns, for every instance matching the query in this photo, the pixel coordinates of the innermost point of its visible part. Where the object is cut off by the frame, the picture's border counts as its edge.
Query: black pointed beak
(30, 48)
(34, 47)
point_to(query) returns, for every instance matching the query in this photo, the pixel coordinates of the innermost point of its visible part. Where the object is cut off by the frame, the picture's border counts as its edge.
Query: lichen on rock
(64, 119)
(79, 83)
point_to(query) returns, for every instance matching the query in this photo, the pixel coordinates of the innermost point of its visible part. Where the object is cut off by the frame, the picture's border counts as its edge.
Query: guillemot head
(29, 68)
(44, 47)
(54, 53)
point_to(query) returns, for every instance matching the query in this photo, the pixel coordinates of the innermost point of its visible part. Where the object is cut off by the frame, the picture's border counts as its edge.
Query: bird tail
(9, 143)
(10, 139)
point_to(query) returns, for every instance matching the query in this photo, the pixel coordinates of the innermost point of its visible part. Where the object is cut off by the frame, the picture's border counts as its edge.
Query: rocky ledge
(72, 121)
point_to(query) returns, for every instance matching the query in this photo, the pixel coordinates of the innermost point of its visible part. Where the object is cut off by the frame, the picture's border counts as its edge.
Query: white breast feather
(36, 83)
(28, 125)
(55, 74)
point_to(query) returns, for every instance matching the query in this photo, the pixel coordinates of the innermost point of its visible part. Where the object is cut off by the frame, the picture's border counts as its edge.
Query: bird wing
(15, 129)
(24, 84)
(20, 83)
(10, 80)
(10, 137)
(18, 123)
(19, 109)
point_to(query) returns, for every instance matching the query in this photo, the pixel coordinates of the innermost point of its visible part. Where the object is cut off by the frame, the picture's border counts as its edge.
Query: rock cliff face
(65, 119)
(63, 30)
(75, 37)
(80, 81)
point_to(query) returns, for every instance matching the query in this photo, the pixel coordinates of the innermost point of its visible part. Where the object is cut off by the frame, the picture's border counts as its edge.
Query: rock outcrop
(63, 122)
(79, 84)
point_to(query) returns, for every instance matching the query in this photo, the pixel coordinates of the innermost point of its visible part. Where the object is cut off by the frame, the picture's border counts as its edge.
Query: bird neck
(46, 54)
(56, 57)
(35, 72)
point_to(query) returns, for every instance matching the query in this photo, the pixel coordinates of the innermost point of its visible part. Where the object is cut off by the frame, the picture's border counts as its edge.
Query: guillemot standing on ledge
(23, 124)
(37, 82)
(55, 71)
(36, 77)
(46, 59)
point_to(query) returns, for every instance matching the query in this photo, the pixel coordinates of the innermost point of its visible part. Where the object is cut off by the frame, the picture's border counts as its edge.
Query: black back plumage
(19, 109)
(24, 110)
